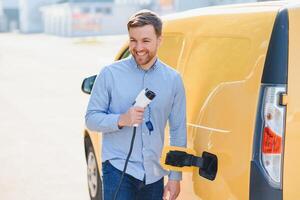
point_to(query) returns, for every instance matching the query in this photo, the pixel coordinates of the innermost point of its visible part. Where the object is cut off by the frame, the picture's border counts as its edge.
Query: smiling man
(110, 111)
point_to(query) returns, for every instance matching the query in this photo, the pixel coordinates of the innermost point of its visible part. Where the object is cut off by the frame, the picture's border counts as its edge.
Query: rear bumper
(259, 187)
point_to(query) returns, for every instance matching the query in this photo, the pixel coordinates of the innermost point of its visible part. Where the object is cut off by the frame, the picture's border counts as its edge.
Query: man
(110, 111)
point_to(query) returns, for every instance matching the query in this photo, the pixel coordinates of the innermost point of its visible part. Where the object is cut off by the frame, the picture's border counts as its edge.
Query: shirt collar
(152, 68)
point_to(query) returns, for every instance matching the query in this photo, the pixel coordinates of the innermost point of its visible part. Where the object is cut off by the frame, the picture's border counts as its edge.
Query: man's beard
(143, 61)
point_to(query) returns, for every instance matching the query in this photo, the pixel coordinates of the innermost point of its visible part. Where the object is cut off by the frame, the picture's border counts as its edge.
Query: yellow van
(241, 69)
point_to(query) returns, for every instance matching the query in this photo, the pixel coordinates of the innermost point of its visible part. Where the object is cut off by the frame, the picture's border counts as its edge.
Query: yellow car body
(221, 53)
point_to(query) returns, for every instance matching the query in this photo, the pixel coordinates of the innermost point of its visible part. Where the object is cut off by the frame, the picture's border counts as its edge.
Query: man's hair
(145, 17)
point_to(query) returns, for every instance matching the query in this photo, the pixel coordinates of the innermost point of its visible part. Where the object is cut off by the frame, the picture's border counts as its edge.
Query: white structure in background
(30, 15)
(88, 18)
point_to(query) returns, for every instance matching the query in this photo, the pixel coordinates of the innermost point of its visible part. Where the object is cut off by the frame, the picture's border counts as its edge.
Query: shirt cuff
(175, 176)
(115, 121)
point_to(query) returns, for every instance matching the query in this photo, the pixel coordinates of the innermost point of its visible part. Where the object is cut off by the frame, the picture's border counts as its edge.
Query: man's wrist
(175, 176)
(120, 121)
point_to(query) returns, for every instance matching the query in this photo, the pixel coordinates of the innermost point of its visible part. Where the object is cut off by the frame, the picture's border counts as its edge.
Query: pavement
(42, 113)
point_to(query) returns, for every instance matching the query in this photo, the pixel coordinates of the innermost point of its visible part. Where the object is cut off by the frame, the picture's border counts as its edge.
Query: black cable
(126, 162)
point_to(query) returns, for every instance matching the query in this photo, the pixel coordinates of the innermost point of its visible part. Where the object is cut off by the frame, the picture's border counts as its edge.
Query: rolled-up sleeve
(177, 122)
(97, 116)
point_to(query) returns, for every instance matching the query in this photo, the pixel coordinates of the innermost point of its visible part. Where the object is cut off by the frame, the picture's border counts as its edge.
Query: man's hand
(133, 116)
(173, 188)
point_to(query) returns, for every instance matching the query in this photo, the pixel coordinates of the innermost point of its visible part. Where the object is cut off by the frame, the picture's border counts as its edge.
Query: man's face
(143, 45)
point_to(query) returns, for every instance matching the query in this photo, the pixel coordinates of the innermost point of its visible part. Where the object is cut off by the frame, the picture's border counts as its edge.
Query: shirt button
(144, 149)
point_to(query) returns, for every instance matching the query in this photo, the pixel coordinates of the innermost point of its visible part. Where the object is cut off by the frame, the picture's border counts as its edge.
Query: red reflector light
(271, 142)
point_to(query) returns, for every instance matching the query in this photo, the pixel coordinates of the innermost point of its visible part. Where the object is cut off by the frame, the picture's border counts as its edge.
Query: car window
(125, 54)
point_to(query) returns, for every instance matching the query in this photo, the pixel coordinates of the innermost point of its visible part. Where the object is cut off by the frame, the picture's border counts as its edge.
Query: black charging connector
(207, 164)
(182, 159)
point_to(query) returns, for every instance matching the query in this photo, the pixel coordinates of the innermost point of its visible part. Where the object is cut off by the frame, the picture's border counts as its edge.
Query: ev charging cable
(142, 100)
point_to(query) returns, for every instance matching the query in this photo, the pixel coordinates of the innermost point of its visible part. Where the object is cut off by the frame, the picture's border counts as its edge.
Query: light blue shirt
(113, 93)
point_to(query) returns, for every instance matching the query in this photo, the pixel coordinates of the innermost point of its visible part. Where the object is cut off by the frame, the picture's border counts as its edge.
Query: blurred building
(9, 15)
(90, 17)
(1, 18)
(30, 15)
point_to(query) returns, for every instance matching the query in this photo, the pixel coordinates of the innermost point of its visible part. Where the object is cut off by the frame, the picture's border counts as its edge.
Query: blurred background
(47, 47)
(73, 18)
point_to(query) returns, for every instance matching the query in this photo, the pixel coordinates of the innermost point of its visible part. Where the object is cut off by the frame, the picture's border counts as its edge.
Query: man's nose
(139, 46)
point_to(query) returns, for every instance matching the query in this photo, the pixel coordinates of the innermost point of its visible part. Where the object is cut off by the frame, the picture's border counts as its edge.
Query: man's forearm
(102, 122)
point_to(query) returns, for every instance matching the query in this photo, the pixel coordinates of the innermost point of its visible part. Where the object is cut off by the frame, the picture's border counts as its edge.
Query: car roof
(270, 6)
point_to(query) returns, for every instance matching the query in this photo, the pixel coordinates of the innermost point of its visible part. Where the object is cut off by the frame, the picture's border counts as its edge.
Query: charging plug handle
(181, 159)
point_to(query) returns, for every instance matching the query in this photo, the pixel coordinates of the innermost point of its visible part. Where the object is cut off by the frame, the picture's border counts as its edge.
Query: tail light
(268, 142)
(272, 140)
